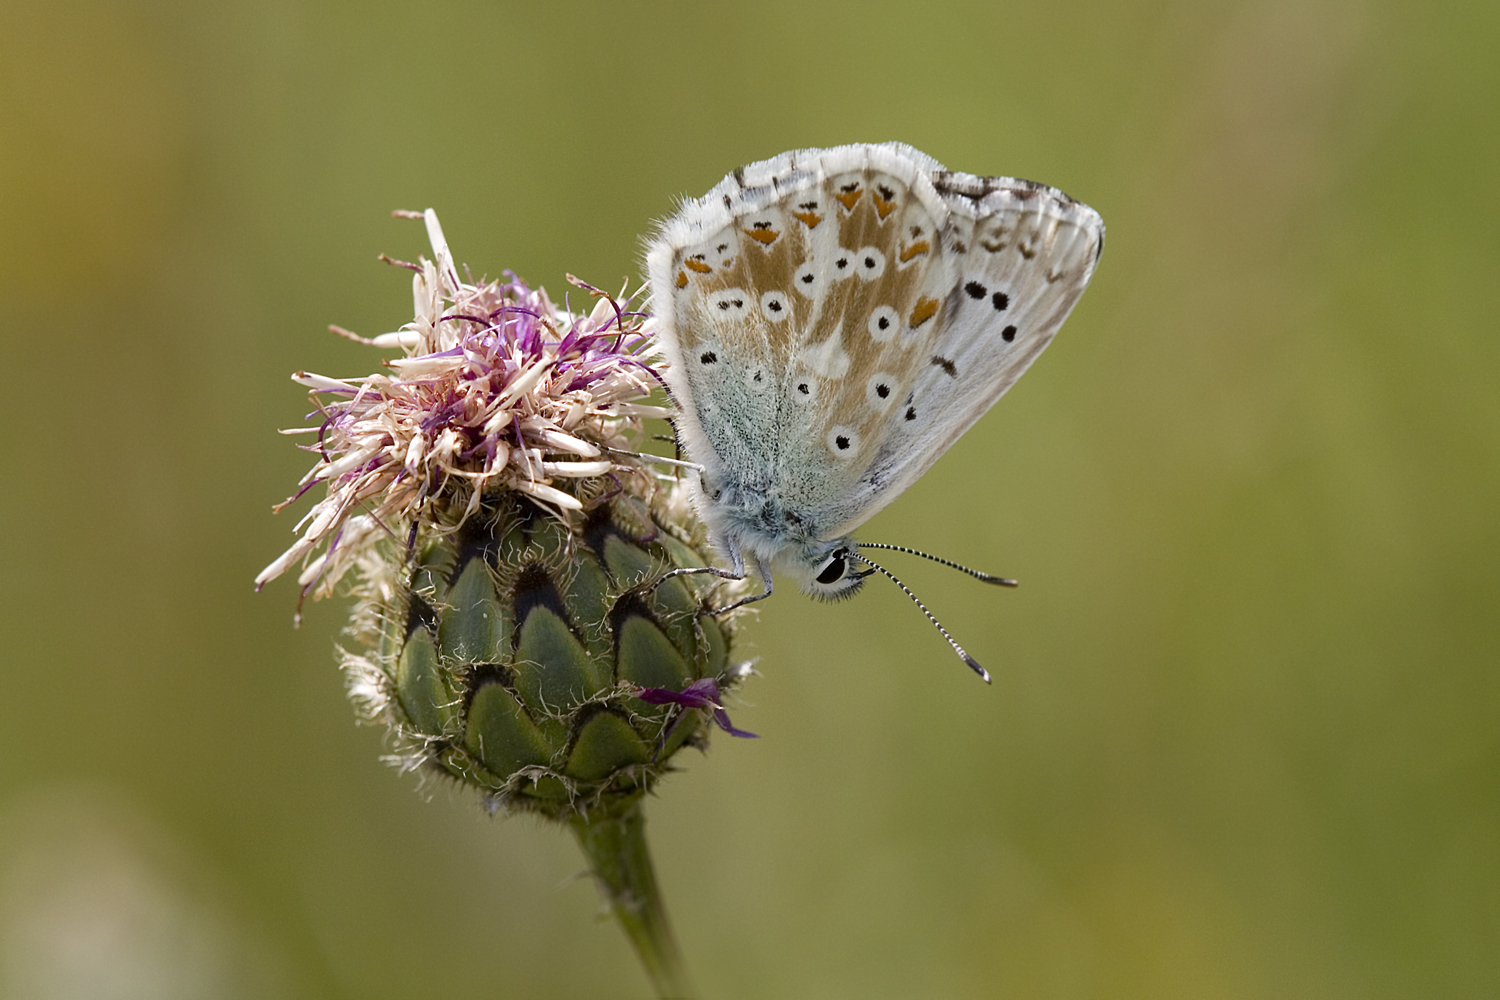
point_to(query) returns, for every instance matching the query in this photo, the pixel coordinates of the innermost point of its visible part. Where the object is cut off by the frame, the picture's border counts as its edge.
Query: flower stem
(616, 848)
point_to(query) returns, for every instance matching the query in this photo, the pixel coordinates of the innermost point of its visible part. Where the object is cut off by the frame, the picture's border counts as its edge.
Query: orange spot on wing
(809, 219)
(681, 279)
(924, 310)
(848, 198)
(697, 265)
(915, 250)
(883, 207)
(763, 236)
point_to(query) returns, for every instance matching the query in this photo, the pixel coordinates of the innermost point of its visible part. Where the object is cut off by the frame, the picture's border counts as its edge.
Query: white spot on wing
(841, 265)
(869, 263)
(883, 323)
(729, 305)
(774, 306)
(842, 441)
(880, 391)
(809, 280)
(828, 359)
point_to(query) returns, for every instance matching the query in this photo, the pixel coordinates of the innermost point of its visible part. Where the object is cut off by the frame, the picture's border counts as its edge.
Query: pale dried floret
(498, 389)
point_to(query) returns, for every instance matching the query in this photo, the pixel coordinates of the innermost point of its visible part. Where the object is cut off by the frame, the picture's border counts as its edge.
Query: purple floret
(701, 694)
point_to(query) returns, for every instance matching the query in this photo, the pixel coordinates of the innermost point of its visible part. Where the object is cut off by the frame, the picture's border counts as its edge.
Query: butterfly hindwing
(879, 262)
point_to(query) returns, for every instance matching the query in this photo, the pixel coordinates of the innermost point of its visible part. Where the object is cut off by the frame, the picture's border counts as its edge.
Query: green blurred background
(1242, 741)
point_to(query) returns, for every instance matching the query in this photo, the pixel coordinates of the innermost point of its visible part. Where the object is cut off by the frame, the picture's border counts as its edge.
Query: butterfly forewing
(834, 319)
(1021, 255)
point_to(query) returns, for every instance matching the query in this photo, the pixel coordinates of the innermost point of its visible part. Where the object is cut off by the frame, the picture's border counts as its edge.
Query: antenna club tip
(984, 674)
(1002, 581)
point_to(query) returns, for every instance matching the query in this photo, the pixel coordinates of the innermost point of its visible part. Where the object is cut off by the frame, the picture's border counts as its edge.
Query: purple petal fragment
(701, 694)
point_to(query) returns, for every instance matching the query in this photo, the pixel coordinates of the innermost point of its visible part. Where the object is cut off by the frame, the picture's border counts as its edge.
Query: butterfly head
(829, 571)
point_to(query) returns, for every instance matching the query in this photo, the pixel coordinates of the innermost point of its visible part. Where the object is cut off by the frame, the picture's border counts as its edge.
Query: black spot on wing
(948, 367)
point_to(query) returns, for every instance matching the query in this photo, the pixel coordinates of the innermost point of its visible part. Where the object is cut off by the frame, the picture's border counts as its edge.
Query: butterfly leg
(765, 577)
(738, 573)
(736, 560)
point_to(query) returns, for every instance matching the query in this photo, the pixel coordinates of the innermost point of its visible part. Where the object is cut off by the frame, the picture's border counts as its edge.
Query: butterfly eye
(833, 570)
(869, 263)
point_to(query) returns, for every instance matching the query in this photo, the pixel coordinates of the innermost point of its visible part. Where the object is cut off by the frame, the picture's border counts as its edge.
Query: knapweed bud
(507, 550)
(522, 655)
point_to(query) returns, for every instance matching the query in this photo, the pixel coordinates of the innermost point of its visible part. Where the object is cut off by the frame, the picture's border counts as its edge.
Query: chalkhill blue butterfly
(832, 320)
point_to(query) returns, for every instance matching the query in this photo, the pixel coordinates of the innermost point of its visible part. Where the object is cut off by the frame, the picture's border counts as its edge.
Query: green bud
(506, 648)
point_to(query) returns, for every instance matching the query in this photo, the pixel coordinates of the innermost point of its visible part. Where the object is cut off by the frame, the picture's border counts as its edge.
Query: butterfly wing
(815, 313)
(1016, 258)
(779, 299)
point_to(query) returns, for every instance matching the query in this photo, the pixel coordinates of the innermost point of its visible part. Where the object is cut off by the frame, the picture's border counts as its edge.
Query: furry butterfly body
(833, 320)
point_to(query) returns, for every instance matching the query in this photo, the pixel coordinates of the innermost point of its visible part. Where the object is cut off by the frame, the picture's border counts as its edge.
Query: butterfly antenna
(973, 663)
(643, 456)
(1000, 581)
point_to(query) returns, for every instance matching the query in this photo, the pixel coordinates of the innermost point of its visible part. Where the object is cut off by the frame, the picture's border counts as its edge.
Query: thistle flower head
(508, 549)
(498, 389)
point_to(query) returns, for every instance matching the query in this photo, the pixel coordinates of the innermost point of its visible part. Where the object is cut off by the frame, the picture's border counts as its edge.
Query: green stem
(616, 848)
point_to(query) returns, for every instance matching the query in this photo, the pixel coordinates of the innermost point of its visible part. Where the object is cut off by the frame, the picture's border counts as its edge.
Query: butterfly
(832, 320)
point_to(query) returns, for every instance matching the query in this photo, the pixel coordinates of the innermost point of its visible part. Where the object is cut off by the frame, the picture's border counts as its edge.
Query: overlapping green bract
(506, 650)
